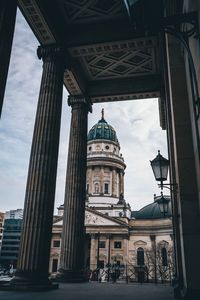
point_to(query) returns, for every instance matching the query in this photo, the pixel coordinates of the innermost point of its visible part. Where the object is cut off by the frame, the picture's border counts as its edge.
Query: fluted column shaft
(8, 10)
(40, 191)
(121, 185)
(73, 236)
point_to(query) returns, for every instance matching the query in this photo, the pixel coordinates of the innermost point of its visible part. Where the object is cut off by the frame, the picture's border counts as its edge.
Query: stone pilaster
(178, 276)
(90, 179)
(8, 10)
(186, 176)
(72, 254)
(125, 249)
(113, 182)
(33, 263)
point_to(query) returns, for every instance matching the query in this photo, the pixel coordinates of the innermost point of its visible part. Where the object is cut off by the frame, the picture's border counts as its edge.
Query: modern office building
(11, 238)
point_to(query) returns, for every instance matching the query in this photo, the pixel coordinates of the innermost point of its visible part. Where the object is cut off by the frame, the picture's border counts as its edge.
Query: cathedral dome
(103, 131)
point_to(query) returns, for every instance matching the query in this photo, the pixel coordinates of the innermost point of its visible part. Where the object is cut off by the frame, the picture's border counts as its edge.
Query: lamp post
(163, 205)
(160, 166)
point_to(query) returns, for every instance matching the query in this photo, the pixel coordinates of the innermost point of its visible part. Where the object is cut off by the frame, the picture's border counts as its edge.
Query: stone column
(121, 190)
(73, 235)
(186, 176)
(119, 182)
(154, 249)
(33, 262)
(93, 253)
(122, 183)
(8, 10)
(113, 182)
(102, 181)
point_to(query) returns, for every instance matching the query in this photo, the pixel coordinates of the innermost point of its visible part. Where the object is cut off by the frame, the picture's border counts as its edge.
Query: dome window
(107, 147)
(90, 148)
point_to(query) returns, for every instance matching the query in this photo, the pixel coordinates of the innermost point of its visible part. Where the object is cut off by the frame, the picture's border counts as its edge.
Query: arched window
(96, 188)
(164, 257)
(140, 256)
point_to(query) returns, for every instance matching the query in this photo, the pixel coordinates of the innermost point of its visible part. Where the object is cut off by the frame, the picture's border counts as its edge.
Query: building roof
(151, 211)
(103, 131)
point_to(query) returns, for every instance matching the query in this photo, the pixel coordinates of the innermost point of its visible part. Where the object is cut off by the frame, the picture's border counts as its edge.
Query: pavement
(97, 291)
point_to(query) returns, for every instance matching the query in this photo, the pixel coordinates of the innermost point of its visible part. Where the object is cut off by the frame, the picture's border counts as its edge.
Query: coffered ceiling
(107, 59)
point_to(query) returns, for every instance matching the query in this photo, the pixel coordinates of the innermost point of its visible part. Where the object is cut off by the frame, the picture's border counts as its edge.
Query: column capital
(50, 52)
(80, 99)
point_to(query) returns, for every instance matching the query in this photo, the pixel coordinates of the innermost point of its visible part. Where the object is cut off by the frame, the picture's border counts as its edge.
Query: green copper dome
(103, 131)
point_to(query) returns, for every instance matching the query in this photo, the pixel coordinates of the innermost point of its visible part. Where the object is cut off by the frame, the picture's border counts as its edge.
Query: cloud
(136, 123)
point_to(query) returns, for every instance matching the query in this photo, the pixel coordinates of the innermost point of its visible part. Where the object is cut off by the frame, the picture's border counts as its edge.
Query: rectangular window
(106, 188)
(54, 265)
(56, 243)
(117, 245)
(102, 244)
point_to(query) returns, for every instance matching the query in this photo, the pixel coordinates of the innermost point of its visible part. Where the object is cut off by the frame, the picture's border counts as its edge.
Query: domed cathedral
(105, 171)
(115, 235)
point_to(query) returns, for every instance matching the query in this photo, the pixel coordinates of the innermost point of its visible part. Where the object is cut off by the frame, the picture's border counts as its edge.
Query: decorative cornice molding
(134, 44)
(36, 20)
(124, 97)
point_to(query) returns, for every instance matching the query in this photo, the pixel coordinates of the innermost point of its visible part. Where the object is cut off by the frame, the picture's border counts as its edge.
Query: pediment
(140, 243)
(91, 218)
(94, 218)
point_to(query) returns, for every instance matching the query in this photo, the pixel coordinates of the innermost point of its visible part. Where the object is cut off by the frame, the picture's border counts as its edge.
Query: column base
(29, 281)
(177, 288)
(70, 276)
(190, 294)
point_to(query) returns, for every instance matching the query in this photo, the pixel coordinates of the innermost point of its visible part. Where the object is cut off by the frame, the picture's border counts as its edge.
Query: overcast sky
(136, 124)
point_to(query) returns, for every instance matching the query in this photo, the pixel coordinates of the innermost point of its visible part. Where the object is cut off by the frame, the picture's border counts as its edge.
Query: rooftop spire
(102, 114)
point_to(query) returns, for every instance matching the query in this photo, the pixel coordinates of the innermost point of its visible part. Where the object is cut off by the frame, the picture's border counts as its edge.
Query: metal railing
(130, 273)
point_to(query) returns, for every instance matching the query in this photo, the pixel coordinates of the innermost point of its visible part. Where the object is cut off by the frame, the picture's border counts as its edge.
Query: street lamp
(163, 205)
(160, 166)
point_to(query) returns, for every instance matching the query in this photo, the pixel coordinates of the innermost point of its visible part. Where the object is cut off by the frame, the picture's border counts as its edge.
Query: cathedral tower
(105, 170)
